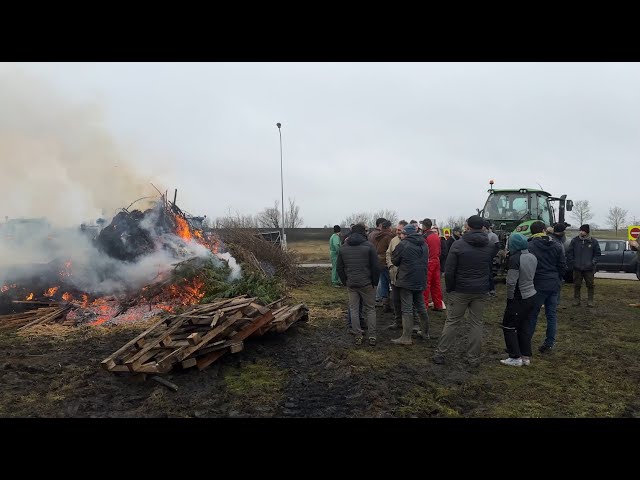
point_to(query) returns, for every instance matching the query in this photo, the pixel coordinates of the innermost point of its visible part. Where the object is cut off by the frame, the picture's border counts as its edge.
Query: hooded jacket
(469, 263)
(358, 263)
(411, 257)
(522, 269)
(551, 263)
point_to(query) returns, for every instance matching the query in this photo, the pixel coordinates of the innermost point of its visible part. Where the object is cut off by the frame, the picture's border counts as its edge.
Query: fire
(4, 288)
(51, 291)
(182, 228)
(30, 296)
(67, 297)
(85, 300)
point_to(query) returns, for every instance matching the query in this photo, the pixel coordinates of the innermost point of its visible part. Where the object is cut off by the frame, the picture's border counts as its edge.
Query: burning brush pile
(142, 264)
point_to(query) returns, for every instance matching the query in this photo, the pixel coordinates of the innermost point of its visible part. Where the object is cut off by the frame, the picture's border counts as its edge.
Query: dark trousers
(516, 325)
(578, 275)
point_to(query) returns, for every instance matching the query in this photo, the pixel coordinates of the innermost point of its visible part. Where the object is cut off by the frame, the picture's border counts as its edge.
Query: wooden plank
(194, 339)
(177, 322)
(238, 347)
(133, 342)
(205, 339)
(189, 362)
(166, 383)
(241, 335)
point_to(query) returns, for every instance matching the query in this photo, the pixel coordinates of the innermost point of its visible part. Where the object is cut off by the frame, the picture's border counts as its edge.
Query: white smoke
(236, 271)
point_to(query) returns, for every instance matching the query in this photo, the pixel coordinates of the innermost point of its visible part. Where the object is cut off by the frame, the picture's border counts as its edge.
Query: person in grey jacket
(358, 269)
(411, 257)
(466, 276)
(520, 297)
(583, 254)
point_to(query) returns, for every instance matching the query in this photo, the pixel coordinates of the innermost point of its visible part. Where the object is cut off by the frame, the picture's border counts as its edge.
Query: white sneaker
(430, 304)
(526, 361)
(512, 362)
(444, 307)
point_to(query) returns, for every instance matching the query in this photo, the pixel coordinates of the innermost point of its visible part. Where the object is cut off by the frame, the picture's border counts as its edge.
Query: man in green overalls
(334, 247)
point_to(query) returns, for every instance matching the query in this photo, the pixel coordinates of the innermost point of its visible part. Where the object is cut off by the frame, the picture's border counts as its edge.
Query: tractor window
(506, 206)
(544, 213)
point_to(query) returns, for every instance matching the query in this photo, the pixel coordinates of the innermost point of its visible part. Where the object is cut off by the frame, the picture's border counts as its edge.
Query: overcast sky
(419, 138)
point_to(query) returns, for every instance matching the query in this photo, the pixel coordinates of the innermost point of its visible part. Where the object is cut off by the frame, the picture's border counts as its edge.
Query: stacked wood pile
(39, 316)
(201, 335)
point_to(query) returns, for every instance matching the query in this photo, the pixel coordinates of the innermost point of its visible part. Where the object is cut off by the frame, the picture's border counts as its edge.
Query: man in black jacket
(548, 280)
(466, 276)
(411, 257)
(583, 253)
(358, 269)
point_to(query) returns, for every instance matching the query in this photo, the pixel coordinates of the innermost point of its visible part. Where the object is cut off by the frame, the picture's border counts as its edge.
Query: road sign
(633, 232)
(446, 232)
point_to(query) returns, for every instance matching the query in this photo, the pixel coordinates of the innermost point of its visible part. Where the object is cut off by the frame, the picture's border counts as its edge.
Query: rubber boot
(590, 297)
(576, 296)
(386, 305)
(407, 327)
(424, 327)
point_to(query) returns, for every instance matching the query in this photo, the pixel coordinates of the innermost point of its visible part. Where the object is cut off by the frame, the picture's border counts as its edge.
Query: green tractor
(514, 210)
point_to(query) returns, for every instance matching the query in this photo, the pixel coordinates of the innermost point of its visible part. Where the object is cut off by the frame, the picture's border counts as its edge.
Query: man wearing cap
(547, 282)
(411, 257)
(467, 282)
(432, 286)
(358, 270)
(456, 233)
(583, 254)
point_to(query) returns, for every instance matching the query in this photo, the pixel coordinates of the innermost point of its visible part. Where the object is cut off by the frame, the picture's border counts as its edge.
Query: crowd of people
(401, 270)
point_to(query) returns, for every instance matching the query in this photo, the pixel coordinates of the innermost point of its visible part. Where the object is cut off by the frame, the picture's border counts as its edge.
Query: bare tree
(235, 220)
(455, 221)
(362, 217)
(390, 215)
(617, 218)
(634, 220)
(270, 216)
(292, 218)
(582, 211)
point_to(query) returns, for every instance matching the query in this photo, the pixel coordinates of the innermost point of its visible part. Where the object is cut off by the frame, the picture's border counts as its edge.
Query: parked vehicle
(617, 256)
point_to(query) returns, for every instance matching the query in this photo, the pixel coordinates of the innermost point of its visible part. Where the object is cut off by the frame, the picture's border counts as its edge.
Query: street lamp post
(283, 240)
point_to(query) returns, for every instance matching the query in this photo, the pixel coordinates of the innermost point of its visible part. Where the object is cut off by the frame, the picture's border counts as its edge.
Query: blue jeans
(550, 300)
(383, 285)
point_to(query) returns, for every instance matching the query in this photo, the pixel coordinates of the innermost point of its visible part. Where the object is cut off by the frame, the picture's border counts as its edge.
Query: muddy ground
(315, 370)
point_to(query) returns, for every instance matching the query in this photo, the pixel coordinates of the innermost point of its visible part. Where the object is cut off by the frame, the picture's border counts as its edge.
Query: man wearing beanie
(583, 254)
(547, 282)
(466, 275)
(411, 257)
(358, 270)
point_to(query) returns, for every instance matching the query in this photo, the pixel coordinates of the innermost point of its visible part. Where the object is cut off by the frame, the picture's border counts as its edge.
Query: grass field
(311, 251)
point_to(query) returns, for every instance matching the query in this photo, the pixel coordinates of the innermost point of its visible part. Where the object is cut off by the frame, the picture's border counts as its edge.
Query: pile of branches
(259, 255)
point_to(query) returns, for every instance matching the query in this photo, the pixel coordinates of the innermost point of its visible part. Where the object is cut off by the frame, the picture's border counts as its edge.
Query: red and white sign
(634, 231)
(446, 232)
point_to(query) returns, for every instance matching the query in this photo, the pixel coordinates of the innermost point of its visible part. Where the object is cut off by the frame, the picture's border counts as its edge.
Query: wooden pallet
(201, 335)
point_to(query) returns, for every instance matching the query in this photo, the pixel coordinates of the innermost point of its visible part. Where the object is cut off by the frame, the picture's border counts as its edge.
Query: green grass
(260, 383)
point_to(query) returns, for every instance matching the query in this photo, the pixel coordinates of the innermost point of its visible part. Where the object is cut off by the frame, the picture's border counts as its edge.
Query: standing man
(411, 257)
(381, 242)
(456, 233)
(334, 248)
(393, 273)
(466, 275)
(547, 282)
(432, 286)
(358, 270)
(376, 230)
(583, 253)
(493, 238)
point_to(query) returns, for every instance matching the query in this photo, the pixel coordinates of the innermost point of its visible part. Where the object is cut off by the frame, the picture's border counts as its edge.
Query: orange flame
(29, 297)
(67, 297)
(182, 228)
(51, 292)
